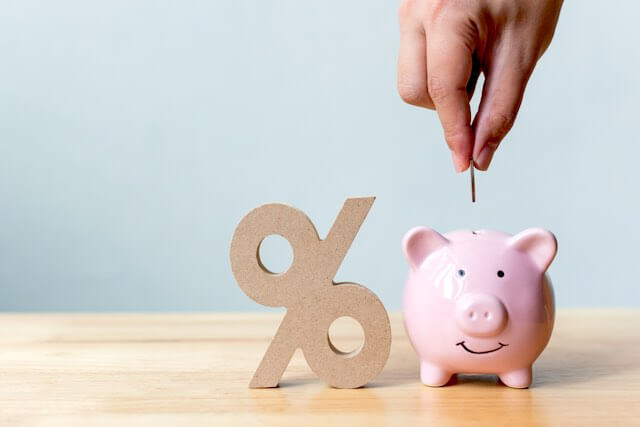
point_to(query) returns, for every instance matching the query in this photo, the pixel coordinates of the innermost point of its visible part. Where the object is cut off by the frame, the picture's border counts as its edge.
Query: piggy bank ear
(539, 244)
(419, 243)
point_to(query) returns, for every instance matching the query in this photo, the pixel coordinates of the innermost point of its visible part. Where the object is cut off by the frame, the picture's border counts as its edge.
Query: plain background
(134, 135)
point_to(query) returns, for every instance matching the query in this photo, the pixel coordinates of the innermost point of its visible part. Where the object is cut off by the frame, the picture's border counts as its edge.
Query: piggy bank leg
(520, 378)
(433, 375)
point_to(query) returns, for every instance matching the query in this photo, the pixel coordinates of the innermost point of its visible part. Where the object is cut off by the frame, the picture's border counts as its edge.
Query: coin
(473, 182)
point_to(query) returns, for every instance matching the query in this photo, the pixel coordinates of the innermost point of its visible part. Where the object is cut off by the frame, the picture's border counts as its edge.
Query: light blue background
(135, 134)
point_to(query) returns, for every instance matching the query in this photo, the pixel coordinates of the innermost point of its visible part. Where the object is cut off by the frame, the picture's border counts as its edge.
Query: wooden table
(193, 369)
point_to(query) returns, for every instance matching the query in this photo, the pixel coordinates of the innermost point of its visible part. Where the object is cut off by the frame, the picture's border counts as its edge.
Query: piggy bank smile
(467, 349)
(470, 295)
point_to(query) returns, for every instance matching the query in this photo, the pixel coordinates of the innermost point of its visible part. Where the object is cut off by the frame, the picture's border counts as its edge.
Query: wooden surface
(189, 370)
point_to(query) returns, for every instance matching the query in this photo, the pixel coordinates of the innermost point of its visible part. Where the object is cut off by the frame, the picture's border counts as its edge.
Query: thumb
(502, 95)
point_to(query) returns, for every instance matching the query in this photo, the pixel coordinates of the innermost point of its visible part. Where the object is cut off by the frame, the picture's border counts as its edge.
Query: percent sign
(312, 299)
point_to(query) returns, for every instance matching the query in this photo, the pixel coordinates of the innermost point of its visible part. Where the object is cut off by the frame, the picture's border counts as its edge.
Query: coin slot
(275, 254)
(346, 336)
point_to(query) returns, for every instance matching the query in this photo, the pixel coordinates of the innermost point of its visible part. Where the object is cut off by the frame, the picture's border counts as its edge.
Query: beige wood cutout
(312, 299)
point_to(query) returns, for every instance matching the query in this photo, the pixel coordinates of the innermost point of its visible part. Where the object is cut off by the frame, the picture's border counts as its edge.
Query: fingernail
(460, 163)
(484, 158)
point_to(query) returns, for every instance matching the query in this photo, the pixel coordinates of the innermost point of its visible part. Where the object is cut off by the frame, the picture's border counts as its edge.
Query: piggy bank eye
(500, 273)
(461, 272)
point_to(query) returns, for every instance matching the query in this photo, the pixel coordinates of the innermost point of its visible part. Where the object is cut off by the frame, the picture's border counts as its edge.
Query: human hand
(446, 44)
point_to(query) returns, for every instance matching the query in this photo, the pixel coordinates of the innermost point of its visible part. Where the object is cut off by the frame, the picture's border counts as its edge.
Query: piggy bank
(478, 302)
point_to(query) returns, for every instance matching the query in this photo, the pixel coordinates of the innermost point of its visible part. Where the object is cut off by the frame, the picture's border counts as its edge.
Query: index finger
(449, 66)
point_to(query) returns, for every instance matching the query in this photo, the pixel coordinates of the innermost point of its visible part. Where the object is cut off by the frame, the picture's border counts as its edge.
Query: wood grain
(193, 369)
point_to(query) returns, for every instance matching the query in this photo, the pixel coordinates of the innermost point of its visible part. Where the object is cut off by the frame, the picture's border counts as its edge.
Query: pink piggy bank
(478, 302)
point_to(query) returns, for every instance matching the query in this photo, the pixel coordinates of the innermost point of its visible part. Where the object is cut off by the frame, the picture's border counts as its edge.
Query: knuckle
(523, 55)
(443, 10)
(525, 61)
(436, 7)
(500, 123)
(407, 10)
(437, 89)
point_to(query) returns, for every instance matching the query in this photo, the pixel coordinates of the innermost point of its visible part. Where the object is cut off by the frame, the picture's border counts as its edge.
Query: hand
(446, 44)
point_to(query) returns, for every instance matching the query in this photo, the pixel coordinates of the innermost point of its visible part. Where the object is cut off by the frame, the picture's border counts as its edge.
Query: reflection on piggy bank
(478, 302)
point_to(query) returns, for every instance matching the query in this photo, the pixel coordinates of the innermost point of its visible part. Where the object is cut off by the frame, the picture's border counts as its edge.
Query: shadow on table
(556, 366)
(569, 366)
(316, 398)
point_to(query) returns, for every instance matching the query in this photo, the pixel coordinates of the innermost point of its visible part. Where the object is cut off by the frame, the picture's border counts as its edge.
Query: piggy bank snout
(480, 315)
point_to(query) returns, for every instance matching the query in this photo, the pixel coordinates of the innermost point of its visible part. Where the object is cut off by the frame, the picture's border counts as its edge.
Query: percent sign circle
(312, 299)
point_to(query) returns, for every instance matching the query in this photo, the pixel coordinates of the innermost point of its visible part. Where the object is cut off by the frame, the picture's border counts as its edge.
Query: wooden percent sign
(312, 299)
